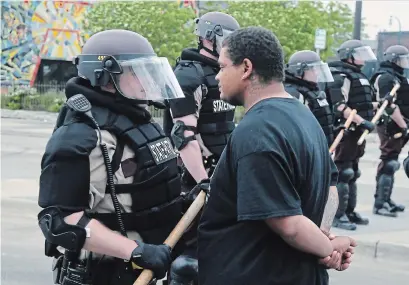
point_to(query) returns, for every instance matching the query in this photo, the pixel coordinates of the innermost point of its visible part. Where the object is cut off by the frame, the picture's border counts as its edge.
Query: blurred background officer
(350, 90)
(303, 73)
(110, 185)
(394, 120)
(200, 124)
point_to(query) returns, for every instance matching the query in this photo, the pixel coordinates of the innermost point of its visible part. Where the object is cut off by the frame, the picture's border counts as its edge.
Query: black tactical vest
(319, 106)
(156, 190)
(360, 95)
(402, 95)
(216, 117)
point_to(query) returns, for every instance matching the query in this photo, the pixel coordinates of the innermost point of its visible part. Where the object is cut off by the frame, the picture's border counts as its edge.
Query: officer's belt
(216, 128)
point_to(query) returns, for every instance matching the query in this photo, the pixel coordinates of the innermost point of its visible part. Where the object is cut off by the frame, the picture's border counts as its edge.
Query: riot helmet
(356, 51)
(398, 55)
(127, 60)
(215, 27)
(307, 65)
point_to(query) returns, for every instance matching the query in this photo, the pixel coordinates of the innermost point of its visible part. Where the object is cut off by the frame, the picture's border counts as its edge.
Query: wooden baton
(379, 113)
(146, 275)
(341, 133)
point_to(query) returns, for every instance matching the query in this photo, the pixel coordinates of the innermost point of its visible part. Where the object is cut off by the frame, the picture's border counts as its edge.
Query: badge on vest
(364, 81)
(221, 106)
(162, 150)
(322, 102)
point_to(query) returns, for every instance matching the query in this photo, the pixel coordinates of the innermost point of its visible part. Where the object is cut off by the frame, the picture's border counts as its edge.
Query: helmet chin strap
(212, 52)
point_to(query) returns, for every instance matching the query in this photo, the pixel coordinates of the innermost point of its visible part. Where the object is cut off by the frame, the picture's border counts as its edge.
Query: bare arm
(397, 117)
(102, 240)
(302, 234)
(330, 209)
(191, 154)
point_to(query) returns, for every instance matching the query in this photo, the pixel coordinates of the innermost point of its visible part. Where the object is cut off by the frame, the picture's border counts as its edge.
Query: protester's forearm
(102, 240)
(330, 209)
(302, 234)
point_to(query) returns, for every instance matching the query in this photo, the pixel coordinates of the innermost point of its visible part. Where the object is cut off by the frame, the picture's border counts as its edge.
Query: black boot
(341, 220)
(381, 206)
(353, 216)
(397, 207)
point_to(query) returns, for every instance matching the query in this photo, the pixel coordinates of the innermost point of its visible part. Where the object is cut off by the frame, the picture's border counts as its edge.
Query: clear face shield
(220, 38)
(403, 61)
(148, 78)
(317, 72)
(363, 54)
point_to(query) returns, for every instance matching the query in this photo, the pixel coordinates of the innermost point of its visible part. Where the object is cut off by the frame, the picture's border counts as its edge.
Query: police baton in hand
(379, 113)
(341, 133)
(187, 219)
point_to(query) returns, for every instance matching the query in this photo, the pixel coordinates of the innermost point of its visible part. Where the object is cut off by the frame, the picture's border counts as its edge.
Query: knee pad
(390, 167)
(346, 175)
(406, 166)
(184, 269)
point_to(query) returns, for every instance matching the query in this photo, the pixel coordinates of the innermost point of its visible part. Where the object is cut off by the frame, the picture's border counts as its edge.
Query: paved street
(23, 261)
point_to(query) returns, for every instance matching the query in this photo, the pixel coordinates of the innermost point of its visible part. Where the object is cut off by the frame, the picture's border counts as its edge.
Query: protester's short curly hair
(261, 47)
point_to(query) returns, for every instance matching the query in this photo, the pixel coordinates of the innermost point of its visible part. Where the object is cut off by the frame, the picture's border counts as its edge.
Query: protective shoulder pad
(189, 75)
(65, 167)
(290, 89)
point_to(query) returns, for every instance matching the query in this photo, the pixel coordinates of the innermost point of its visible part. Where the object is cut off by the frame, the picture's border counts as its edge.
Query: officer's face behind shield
(318, 72)
(363, 54)
(148, 78)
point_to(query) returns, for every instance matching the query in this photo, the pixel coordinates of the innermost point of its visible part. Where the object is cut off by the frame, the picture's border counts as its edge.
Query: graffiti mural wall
(35, 30)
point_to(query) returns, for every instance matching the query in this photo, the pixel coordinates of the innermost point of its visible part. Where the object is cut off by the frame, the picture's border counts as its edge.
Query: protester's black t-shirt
(275, 164)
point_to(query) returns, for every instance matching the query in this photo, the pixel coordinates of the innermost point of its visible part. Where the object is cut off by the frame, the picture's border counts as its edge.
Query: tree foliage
(295, 25)
(170, 28)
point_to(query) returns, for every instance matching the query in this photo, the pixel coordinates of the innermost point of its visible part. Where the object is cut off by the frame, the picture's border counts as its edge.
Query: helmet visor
(314, 71)
(364, 53)
(148, 78)
(403, 61)
(220, 38)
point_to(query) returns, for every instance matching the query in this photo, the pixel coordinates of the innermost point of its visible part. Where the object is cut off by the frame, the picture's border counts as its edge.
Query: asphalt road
(22, 245)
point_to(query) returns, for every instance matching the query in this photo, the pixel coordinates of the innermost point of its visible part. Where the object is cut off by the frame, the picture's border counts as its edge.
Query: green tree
(168, 27)
(295, 24)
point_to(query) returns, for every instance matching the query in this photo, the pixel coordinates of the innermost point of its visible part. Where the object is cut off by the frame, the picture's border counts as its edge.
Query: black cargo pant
(390, 150)
(346, 158)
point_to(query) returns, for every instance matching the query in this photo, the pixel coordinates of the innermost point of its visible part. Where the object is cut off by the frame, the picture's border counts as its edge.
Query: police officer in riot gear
(200, 124)
(350, 90)
(393, 121)
(303, 73)
(110, 185)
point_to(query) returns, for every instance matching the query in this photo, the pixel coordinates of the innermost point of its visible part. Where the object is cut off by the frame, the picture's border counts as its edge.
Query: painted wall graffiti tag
(35, 30)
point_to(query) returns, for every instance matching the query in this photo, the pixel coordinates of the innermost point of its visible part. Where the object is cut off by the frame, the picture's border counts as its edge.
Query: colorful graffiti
(189, 4)
(35, 30)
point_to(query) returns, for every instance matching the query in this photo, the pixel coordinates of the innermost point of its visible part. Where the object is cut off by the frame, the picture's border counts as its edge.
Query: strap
(217, 128)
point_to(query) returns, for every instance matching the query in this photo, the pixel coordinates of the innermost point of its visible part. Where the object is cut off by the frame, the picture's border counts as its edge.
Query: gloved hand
(367, 125)
(192, 195)
(388, 97)
(154, 257)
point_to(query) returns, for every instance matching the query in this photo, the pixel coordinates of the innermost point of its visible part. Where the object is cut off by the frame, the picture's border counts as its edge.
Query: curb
(382, 250)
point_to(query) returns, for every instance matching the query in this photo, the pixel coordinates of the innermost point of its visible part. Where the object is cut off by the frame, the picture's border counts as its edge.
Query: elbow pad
(56, 231)
(338, 113)
(178, 134)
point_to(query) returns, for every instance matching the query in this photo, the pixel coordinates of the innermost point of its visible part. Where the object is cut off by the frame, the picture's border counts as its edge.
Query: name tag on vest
(221, 106)
(322, 102)
(364, 81)
(162, 150)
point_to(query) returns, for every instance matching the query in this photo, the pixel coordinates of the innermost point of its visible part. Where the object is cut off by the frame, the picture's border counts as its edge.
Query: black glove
(154, 257)
(367, 125)
(192, 195)
(388, 97)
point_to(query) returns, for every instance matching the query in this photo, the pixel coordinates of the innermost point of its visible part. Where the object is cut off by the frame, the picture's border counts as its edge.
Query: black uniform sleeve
(265, 188)
(385, 84)
(334, 173)
(189, 80)
(334, 89)
(65, 168)
(292, 91)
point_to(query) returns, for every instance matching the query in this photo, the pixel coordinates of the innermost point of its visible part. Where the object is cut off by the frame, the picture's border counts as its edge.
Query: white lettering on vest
(162, 150)
(221, 106)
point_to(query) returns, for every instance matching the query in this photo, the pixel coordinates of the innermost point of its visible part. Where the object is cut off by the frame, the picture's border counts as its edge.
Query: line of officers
(111, 178)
